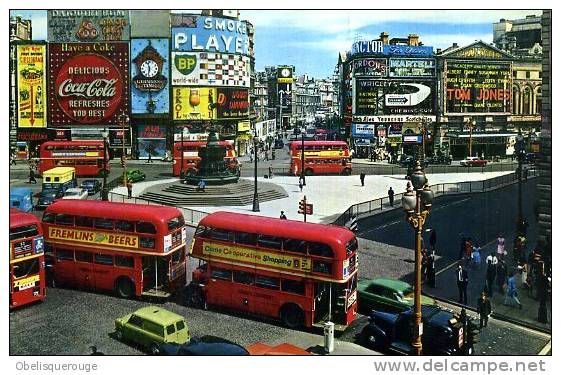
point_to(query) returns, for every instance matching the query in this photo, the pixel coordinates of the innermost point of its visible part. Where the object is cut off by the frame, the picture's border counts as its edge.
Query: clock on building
(149, 68)
(285, 72)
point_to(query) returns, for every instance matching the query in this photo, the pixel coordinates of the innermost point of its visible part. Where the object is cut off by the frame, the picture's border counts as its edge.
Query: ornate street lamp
(104, 190)
(123, 119)
(255, 194)
(417, 202)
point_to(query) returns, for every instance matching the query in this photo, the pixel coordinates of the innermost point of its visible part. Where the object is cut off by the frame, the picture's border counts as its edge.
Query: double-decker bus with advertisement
(131, 249)
(27, 259)
(87, 157)
(301, 273)
(191, 158)
(320, 157)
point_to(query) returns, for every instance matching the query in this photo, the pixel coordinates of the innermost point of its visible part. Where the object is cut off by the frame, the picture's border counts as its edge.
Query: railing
(361, 210)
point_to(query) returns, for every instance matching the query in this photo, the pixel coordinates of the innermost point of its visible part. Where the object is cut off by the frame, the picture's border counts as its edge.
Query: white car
(75, 193)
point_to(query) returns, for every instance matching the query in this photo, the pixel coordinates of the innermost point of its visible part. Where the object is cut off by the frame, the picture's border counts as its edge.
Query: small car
(444, 333)
(92, 186)
(405, 160)
(48, 196)
(152, 326)
(75, 193)
(473, 161)
(135, 175)
(204, 345)
(387, 295)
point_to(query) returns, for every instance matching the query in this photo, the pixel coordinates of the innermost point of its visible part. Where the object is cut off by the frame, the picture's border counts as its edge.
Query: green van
(151, 326)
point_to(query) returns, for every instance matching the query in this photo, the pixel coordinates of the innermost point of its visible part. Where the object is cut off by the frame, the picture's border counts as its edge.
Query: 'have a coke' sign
(89, 87)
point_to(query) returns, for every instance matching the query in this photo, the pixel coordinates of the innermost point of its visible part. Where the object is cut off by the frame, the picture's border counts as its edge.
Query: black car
(92, 186)
(46, 197)
(405, 160)
(204, 345)
(278, 144)
(443, 332)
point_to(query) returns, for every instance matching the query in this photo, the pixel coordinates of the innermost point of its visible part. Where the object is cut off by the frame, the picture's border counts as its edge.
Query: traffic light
(302, 206)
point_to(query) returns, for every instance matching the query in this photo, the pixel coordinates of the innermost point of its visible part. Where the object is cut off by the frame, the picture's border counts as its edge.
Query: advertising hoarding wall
(196, 103)
(370, 67)
(150, 76)
(31, 86)
(412, 67)
(89, 83)
(232, 103)
(210, 69)
(87, 25)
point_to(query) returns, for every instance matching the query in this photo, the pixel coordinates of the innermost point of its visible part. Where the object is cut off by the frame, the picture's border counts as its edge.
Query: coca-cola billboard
(88, 83)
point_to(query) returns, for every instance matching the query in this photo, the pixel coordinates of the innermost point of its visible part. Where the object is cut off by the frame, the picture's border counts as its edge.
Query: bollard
(329, 337)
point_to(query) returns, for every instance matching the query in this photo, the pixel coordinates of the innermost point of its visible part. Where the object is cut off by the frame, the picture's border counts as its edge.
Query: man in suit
(462, 281)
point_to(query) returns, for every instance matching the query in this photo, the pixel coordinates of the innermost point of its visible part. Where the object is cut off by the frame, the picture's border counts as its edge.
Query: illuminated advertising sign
(412, 67)
(284, 74)
(150, 75)
(31, 109)
(478, 87)
(394, 118)
(212, 34)
(370, 67)
(151, 131)
(88, 83)
(94, 237)
(363, 47)
(257, 257)
(285, 96)
(196, 103)
(363, 130)
(210, 69)
(116, 137)
(232, 103)
(411, 51)
(389, 97)
(87, 25)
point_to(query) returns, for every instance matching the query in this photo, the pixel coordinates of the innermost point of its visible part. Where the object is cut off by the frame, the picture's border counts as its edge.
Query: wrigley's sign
(398, 118)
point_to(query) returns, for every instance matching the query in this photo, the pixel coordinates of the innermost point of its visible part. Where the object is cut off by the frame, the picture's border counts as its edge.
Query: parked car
(405, 160)
(135, 175)
(387, 295)
(443, 332)
(204, 345)
(75, 193)
(473, 161)
(152, 326)
(48, 196)
(92, 186)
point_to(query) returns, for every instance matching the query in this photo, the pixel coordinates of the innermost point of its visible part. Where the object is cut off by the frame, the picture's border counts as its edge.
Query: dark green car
(135, 175)
(151, 327)
(387, 295)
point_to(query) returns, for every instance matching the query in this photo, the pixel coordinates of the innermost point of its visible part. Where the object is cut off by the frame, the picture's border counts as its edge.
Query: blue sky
(311, 39)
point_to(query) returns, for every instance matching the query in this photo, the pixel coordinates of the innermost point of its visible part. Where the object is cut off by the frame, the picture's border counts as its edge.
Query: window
(177, 257)
(267, 282)
(292, 286)
(65, 254)
(170, 329)
(25, 268)
(269, 242)
(63, 219)
(295, 246)
(123, 261)
(221, 274)
(528, 74)
(82, 256)
(374, 289)
(104, 259)
(320, 250)
(147, 242)
(103, 223)
(125, 226)
(219, 234)
(351, 246)
(136, 321)
(23, 231)
(246, 238)
(154, 328)
(175, 223)
(243, 277)
(49, 218)
(145, 227)
(321, 267)
(200, 231)
(84, 221)
(180, 325)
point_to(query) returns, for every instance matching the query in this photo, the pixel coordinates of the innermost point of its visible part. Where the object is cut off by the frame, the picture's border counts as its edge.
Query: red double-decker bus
(191, 158)
(320, 157)
(27, 259)
(301, 273)
(131, 249)
(87, 157)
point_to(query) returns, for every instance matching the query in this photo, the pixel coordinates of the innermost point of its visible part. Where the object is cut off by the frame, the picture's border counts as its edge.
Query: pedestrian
(468, 250)
(462, 282)
(300, 183)
(432, 239)
(512, 292)
(424, 263)
(129, 189)
(13, 159)
(484, 309)
(32, 179)
(490, 275)
(501, 252)
(201, 185)
(390, 195)
(463, 241)
(476, 255)
(362, 175)
(282, 215)
(271, 171)
(492, 257)
(501, 276)
(431, 271)
(149, 150)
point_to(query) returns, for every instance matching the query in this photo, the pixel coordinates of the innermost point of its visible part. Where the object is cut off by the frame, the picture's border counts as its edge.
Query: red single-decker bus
(87, 157)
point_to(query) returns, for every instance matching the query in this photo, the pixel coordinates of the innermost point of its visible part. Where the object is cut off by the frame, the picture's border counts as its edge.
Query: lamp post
(181, 173)
(123, 118)
(255, 194)
(104, 191)
(302, 172)
(520, 151)
(416, 203)
(471, 124)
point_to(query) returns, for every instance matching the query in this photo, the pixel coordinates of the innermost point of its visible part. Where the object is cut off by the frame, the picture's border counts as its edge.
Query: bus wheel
(346, 172)
(308, 172)
(292, 316)
(124, 288)
(154, 348)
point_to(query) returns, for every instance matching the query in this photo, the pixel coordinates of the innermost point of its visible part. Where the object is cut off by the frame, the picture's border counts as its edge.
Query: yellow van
(59, 178)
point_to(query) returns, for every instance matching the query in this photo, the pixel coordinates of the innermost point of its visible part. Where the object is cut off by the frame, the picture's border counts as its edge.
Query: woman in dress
(501, 247)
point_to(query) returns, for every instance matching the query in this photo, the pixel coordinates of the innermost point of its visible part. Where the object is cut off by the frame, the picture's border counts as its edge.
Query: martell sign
(88, 87)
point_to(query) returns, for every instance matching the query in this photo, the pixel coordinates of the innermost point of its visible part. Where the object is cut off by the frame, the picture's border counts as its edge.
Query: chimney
(413, 40)
(384, 37)
(438, 50)
(454, 45)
